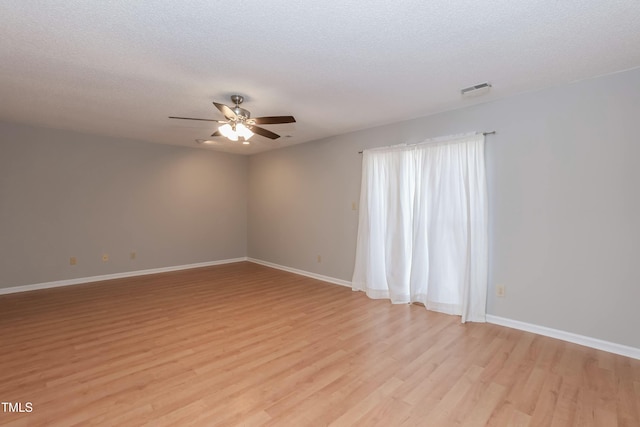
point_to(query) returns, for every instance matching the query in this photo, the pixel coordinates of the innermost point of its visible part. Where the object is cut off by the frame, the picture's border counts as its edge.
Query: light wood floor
(243, 344)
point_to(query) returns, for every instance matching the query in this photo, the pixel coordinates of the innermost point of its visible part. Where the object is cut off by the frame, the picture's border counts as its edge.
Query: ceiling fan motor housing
(241, 113)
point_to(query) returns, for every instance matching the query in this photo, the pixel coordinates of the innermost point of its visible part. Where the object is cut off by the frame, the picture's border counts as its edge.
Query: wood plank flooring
(243, 344)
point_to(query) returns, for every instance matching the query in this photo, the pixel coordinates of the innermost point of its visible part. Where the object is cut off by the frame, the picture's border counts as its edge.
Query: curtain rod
(493, 132)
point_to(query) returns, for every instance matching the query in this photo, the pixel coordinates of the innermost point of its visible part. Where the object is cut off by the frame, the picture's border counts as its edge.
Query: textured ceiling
(120, 68)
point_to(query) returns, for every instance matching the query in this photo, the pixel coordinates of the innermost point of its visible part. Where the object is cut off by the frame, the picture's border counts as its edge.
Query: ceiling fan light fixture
(226, 131)
(243, 131)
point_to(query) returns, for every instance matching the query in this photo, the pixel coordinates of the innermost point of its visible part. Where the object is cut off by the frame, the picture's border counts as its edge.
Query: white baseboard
(81, 280)
(620, 349)
(302, 272)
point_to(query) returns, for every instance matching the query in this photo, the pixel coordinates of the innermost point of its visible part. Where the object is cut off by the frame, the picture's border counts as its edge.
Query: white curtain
(422, 231)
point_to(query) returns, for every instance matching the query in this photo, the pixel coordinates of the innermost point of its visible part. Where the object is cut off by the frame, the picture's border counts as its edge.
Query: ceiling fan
(239, 124)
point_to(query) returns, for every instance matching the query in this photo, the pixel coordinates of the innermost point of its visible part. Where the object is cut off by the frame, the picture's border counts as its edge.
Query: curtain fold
(423, 226)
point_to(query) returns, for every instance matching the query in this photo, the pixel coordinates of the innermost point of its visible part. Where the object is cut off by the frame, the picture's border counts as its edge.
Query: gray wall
(66, 194)
(563, 192)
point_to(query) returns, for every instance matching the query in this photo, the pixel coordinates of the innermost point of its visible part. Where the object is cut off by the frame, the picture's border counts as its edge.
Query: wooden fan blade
(264, 132)
(216, 133)
(273, 120)
(191, 118)
(228, 112)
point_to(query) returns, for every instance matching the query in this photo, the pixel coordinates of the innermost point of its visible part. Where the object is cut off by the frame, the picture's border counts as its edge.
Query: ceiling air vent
(479, 89)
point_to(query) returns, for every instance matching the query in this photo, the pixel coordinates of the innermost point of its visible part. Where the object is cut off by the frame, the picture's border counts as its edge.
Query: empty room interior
(339, 213)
